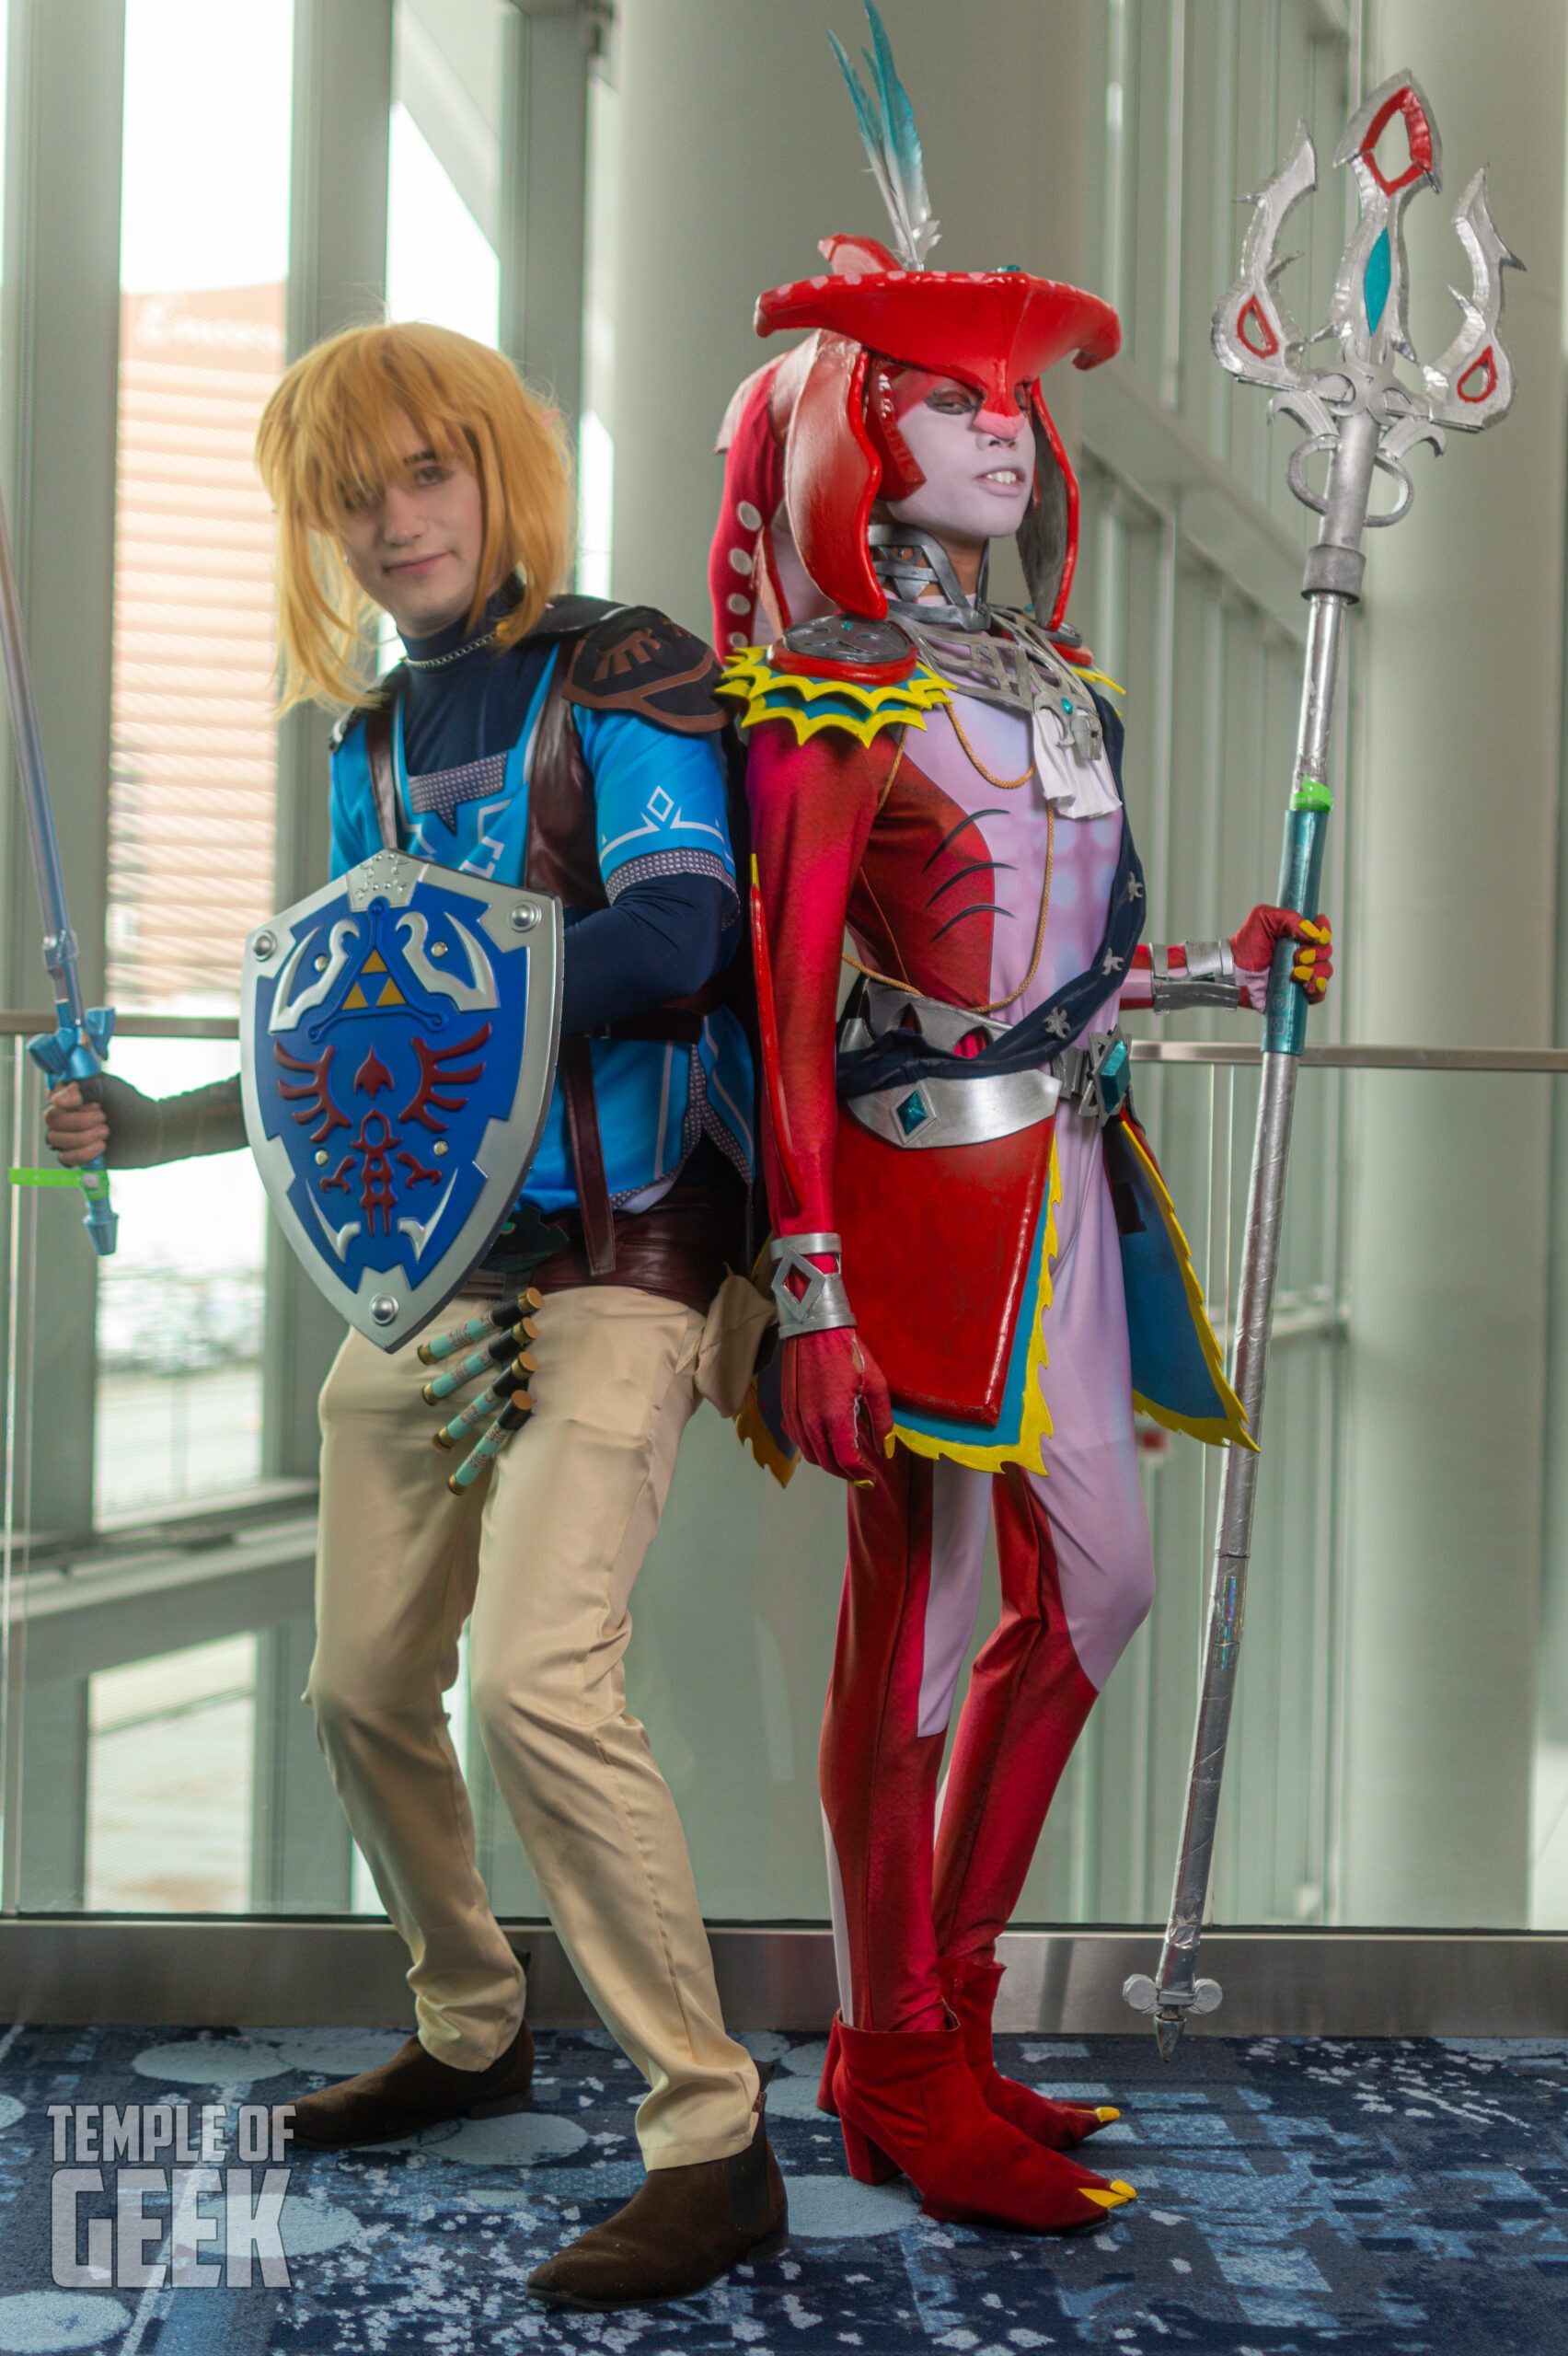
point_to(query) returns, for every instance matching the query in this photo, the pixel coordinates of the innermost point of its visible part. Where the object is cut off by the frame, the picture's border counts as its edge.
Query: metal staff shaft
(1357, 407)
(1333, 573)
(75, 1050)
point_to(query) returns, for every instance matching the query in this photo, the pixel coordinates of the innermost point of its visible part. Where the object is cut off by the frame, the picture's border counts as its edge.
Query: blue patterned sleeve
(659, 802)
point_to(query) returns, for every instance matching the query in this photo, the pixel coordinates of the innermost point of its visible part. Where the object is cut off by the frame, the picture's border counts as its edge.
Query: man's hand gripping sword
(77, 1047)
(1358, 411)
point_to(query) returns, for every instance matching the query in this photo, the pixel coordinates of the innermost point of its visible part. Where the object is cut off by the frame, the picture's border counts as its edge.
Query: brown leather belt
(682, 1249)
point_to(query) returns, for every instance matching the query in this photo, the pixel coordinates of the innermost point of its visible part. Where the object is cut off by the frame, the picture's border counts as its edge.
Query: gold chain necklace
(1011, 785)
(1002, 784)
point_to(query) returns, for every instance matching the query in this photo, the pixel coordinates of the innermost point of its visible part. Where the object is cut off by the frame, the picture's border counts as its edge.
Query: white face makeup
(979, 474)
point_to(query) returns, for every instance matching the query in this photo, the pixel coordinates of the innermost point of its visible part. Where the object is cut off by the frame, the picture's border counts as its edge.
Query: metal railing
(1348, 1055)
(15, 1025)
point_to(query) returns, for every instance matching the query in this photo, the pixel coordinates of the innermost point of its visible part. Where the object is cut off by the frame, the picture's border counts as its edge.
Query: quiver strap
(378, 753)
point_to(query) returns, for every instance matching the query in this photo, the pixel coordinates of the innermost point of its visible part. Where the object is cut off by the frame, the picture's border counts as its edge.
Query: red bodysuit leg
(1027, 1702)
(878, 1774)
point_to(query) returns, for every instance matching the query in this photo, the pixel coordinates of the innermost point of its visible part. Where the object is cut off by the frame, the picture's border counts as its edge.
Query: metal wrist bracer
(1208, 979)
(824, 1307)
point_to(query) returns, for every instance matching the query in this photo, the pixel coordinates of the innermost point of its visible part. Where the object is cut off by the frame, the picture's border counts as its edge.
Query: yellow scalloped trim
(1028, 1449)
(751, 1431)
(748, 674)
(1215, 1429)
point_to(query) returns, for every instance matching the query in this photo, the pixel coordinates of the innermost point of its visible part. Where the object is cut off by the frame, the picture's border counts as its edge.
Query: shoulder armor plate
(638, 660)
(874, 652)
(842, 672)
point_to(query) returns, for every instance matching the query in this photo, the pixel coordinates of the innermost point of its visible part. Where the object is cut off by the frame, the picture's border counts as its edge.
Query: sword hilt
(76, 1051)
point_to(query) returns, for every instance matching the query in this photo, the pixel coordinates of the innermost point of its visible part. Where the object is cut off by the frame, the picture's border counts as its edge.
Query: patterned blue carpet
(1379, 2200)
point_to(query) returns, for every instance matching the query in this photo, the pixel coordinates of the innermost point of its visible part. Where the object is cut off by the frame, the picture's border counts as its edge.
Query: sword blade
(58, 941)
(74, 1050)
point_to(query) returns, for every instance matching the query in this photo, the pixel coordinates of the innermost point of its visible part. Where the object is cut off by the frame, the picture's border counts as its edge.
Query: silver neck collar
(1016, 667)
(910, 564)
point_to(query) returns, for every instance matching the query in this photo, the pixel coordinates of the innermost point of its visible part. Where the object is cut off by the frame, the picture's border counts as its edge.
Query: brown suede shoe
(411, 2091)
(680, 2232)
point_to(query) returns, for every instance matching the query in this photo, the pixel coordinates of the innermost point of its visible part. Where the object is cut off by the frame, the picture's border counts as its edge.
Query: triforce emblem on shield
(399, 1042)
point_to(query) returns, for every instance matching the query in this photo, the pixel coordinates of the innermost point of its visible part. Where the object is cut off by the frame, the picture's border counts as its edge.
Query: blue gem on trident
(1356, 408)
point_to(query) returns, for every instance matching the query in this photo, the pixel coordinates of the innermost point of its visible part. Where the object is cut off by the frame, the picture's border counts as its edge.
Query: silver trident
(1358, 411)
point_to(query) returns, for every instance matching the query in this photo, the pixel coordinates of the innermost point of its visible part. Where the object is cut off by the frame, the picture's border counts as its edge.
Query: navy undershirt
(662, 938)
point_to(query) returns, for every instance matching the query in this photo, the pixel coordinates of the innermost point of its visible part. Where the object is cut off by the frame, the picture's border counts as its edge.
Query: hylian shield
(397, 1049)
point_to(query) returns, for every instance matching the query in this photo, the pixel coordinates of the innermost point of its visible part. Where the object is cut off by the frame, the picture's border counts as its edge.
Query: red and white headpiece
(816, 434)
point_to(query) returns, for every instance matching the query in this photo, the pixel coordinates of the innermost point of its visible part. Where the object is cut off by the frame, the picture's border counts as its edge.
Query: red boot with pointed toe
(970, 1985)
(907, 2100)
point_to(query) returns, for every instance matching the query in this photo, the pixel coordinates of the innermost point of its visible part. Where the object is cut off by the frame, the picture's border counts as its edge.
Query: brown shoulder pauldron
(638, 660)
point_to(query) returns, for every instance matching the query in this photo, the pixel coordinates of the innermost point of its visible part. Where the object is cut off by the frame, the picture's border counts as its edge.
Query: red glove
(836, 1404)
(1253, 947)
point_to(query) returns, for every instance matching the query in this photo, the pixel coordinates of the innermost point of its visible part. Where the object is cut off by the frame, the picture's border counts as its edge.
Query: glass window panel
(170, 1745)
(595, 443)
(189, 1778)
(179, 1311)
(204, 248)
(192, 792)
(443, 193)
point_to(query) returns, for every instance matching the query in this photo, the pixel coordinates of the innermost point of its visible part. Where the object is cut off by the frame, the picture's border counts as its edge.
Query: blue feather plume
(887, 128)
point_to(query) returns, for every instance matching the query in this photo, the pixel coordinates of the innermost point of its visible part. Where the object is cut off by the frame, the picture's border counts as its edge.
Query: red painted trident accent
(1469, 385)
(1418, 131)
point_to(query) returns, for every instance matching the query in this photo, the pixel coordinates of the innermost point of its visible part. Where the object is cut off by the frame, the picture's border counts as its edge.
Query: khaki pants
(541, 1555)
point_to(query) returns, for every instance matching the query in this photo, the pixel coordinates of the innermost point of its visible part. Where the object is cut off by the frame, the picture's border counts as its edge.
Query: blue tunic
(462, 742)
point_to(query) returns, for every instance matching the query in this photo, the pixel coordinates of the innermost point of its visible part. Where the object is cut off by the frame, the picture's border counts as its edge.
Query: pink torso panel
(948, 898)
(955, 906)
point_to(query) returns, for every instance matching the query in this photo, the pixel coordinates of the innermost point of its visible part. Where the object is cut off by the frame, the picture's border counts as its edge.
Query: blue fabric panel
(654, 792)
(356, 834)
(1169, 1364)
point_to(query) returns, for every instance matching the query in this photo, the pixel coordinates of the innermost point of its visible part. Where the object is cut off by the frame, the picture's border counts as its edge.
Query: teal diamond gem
(913, 1112)
(1377, 280)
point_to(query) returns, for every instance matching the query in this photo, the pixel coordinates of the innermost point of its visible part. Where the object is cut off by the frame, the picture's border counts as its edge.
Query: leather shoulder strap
(378, 752)
(564, 858)
(563, 850)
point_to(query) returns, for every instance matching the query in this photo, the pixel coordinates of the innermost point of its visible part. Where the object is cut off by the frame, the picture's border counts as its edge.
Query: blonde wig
(335, 433)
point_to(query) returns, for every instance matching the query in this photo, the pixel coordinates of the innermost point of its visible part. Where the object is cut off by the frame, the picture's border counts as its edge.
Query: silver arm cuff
(824, 1307)
(1209, 978)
